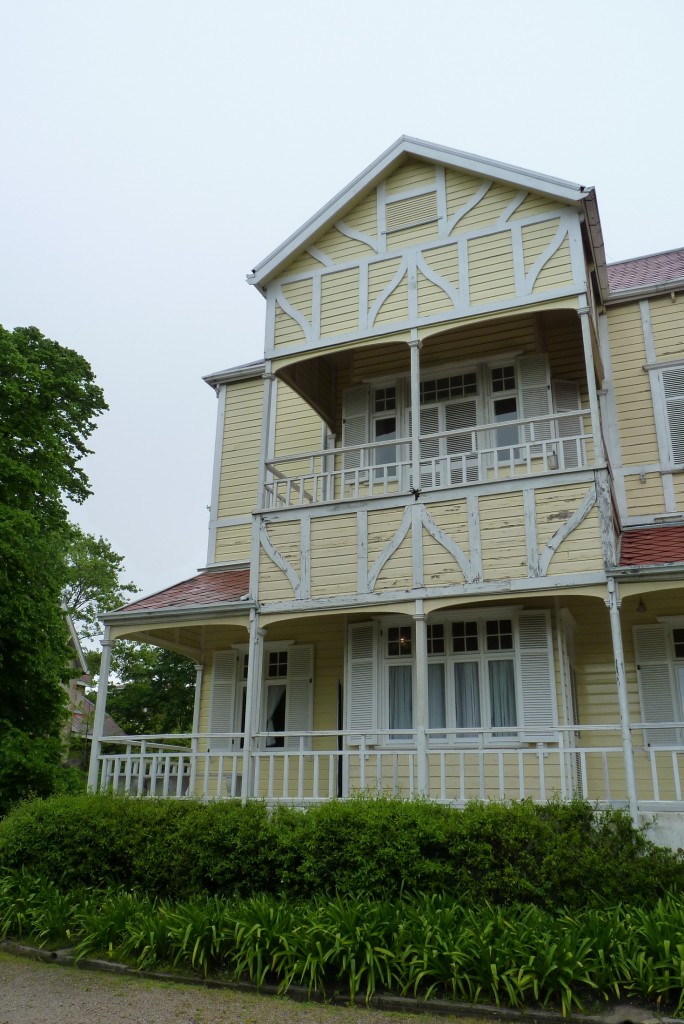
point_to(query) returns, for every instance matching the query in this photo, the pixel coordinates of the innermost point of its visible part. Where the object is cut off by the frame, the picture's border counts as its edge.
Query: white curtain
(502, 693)
(467, 694)
(275, 713)
(436, 698)
(400, 698)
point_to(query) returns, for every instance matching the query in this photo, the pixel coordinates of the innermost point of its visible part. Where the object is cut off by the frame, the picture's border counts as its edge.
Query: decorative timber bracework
(390, 285)
(522, 536)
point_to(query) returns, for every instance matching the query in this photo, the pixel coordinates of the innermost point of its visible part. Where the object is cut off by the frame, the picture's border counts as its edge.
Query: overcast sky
(153, 151)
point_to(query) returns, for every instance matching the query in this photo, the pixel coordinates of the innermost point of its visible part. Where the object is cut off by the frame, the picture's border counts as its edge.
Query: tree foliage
(156, 691)
(48, 404)
(93, 582)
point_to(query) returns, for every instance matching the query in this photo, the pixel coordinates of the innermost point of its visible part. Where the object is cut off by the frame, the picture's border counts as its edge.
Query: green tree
(155, 692)
(93, 582)
(48, 404)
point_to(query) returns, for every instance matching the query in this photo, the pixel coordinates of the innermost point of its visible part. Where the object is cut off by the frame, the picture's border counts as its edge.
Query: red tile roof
(657, 545)
(222, 587)
(644, 271)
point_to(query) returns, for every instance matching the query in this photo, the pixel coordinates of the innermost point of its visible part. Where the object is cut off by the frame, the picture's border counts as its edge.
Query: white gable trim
(556, 188)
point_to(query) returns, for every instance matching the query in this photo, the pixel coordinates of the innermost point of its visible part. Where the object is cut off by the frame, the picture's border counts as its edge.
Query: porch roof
(644, 272)
(213, 587)
(652, 545)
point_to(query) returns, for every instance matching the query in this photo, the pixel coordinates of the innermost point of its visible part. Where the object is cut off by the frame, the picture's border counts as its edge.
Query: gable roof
(565, 191)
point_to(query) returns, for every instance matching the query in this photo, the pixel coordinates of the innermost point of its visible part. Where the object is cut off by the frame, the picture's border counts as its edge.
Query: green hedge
(550, 855)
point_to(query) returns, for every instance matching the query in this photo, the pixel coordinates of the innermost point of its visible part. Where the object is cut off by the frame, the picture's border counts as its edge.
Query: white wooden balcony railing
(450, 458)
(460, 765)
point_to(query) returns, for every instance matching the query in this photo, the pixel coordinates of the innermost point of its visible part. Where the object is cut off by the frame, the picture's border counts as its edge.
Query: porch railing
(493, 451)
(458, 766)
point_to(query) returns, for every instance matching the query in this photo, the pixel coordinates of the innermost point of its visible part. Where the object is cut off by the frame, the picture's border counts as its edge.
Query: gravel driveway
(43, 993)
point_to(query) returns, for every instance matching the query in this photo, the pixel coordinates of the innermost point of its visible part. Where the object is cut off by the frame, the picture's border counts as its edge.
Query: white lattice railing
(458, 766)
(450, 458)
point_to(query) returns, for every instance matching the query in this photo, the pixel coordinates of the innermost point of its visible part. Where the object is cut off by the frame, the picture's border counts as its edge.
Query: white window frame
(266, 681)
(449, 658)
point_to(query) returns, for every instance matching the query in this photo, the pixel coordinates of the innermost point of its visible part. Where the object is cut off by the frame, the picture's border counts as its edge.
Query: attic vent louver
(407, 213)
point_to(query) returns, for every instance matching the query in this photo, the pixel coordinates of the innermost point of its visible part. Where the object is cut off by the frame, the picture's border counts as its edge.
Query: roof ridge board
(407, 145)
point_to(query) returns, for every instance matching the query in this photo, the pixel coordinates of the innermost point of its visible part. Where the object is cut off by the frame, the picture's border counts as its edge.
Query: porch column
(421, 710)
(100, 707)
(254, 677)
(266, 424)
(585, 323)
(613, 603)
(194, 744)
(414, 345)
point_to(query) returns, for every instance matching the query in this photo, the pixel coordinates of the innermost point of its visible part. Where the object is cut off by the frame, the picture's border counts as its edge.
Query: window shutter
(535, 396)
(361, 680)
(223, 698)
(430, 475)
(299, 699)
(654, 672)
(355, 413)
(460, 415)
(537, 675)
(566, 398)
(673, 386)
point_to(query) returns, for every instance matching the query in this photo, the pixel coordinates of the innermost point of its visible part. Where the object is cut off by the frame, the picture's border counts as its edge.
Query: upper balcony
(503, 449)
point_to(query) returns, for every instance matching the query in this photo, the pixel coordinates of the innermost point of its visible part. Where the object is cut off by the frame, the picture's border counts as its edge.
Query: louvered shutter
(299, 698)
(223, 698)
(535, 397)
(537, 680)
(361, 685)
(430, 471)
(463, 461)
(355, 416)
(566, 398)
(656, 685)
(673, 386)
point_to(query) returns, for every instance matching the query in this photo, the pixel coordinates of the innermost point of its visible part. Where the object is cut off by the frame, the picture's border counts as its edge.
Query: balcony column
(421, 709)
(585, 323)
(267, 413)
(414, 345)
(100, 708)
(194, 743)
(613, 603)
(252, 701)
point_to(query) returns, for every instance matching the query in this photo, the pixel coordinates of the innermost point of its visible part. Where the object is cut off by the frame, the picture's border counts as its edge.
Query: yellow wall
(413, 225)
(240, 454)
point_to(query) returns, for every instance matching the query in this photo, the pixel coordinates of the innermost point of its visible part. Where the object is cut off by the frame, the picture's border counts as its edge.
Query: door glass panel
(400, 699)
(275, 714)
(467, 695)
(502, 694)
(436, 698)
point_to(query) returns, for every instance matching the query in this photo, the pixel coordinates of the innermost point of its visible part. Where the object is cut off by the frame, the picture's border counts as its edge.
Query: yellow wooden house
(446, 546)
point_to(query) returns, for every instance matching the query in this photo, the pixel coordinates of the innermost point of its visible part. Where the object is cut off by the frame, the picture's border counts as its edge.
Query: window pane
(277, 664)
(678, 637)
(464, 637)
(467, 695)
(436, 697)
(502, 693)
(275, 714)
(503, 378)
(399, 641)
(435, 638)
(400, 698)
(384, 399)
(499, 635)
(506, 409)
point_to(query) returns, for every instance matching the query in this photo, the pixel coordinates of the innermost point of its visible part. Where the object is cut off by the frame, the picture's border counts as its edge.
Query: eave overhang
(557, 188)
(248, 371)
(663, 571)
(170, 616)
